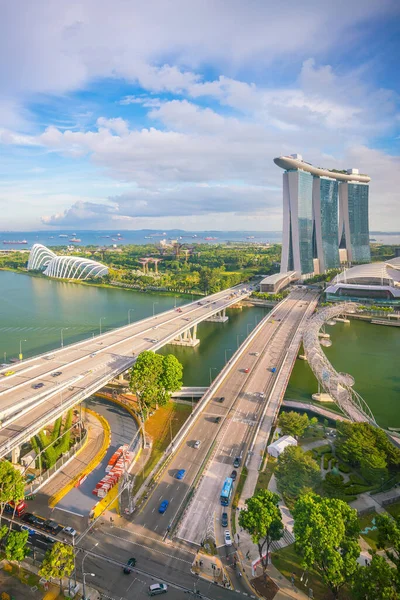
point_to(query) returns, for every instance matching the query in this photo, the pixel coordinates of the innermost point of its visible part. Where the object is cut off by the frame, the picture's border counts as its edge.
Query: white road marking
(153, 510)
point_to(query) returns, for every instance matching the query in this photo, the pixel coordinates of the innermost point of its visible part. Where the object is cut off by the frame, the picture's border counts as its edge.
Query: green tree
(389, 539)
(145, 377)
(293, 423)
(11, 485)
(375, 582)
(373, 467)
(326, 532)
(16, 546)
(262, 519)
(296, 471)
(170, 377)
(58, 562)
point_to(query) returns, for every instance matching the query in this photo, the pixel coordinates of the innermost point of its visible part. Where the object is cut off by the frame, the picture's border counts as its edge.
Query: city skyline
(168, 116)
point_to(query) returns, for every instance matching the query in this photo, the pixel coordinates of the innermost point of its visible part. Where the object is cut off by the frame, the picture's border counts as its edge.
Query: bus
(19, 509)
(226, 492)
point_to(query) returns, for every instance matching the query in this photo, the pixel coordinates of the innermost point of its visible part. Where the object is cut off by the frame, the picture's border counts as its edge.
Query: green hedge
(357, 479)
(343, 468)
(327, 457)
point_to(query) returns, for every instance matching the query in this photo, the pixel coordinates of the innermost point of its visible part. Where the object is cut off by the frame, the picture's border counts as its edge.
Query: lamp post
(62, 338)
(129, 315)
(249, 325)
(154, 303)
(84, 574)
(211, 368)
(20, 349)
(101, 318)
(237, 339)
(227, 350)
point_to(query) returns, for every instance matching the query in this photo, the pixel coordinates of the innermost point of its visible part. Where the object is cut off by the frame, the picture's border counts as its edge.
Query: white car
(228, 539)
(197, 444)
(69, 531)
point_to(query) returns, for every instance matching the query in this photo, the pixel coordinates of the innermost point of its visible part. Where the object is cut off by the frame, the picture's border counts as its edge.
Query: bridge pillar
(15, 454)
(219, 317)
(187, 338)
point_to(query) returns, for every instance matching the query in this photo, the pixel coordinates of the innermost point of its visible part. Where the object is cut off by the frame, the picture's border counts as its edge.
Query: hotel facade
(325, 217)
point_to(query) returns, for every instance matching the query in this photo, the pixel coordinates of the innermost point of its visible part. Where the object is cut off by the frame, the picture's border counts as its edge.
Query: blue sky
(129, 115)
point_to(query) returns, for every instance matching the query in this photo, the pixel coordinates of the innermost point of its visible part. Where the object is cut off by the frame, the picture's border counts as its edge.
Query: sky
(126, 114)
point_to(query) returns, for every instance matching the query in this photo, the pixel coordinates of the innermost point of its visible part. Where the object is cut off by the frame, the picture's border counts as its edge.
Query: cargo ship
(75, 240)
(15, 242)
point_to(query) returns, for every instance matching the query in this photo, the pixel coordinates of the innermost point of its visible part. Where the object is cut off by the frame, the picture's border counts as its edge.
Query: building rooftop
(295, 161)
(276, 277)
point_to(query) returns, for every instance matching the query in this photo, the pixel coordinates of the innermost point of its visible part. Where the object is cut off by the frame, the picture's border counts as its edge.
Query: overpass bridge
(36, 391)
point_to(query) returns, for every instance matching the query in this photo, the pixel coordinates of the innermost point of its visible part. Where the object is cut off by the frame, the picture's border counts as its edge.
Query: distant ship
(63, 235)
(75, 240)
(250, 237)
(104, 236)
(210, 238)
(15, 242)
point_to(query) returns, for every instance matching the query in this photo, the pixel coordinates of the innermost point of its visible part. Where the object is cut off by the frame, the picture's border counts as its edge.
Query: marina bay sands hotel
(325, 217)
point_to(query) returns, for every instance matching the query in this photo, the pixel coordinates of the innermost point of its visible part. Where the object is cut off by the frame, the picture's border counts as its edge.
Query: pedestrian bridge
(36, 391)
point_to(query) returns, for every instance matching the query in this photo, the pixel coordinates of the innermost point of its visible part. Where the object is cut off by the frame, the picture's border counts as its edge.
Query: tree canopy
(375, 581)
(262, 519)
(153, 378)
(58, 562)
(389, 539)
(293, 423)
(12, 485)
(326, 532)
(296, 472)
(16, 546)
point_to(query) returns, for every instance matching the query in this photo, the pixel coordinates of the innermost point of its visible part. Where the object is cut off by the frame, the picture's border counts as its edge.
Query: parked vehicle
(157, 588)
(224, 519)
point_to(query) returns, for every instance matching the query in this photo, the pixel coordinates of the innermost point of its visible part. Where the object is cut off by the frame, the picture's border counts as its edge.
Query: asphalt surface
(87, 366)
(123, 428)
(245, 395)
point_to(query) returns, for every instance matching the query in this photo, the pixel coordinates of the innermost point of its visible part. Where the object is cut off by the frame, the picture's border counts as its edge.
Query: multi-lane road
(31, 395)
(225, 427)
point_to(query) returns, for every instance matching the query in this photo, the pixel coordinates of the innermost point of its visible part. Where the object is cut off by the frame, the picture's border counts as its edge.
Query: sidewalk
(210, 568)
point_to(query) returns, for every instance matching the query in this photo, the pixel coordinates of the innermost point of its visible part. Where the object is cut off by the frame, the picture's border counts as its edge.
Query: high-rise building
(315, 237)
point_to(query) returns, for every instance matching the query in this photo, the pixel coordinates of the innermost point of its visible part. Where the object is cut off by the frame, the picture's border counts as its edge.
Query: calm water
(35, 310)
(371, 354)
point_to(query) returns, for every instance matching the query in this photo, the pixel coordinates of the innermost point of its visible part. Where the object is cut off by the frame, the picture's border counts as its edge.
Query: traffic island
(265, 587)
(211, 569)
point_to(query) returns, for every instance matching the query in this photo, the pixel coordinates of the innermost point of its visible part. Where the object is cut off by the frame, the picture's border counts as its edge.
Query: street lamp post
(101, 318)
(211, 368)
(62, 338)
(20, 349)
(154, 303)
(237, 339)
(249, 325)
(129, 315)
(84, 574)
(227, 350)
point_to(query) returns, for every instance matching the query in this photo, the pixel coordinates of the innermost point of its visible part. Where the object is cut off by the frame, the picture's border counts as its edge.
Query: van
(157, 588)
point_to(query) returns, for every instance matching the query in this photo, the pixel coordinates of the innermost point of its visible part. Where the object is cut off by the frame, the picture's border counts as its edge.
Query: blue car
(163, 507)
(180, 474)
(28, 529)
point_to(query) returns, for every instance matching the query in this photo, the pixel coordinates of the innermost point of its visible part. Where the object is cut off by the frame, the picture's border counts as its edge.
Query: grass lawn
(287, 561)
(159, 426)
(371, 536)
(265, 476)
(394, 509)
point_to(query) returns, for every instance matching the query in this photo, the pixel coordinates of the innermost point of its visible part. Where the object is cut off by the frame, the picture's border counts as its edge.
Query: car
(8, 373)
(179, 310)
(155, 327)
(28, 529)
(131, 563)
(163, 507)
(224, 519)
(246, 370)
(237, 462)
(180, 474)
(217, 420)
(274, 315)
(56, 374)
(200, 303)
(256, 354)
(69, 531)
(93, 354)
(228, 539)
(37, 386)
(157, 588)
(234, 475)
(221, 399)
(197, 444)
(186, 319)
(154, 341)
(51, 526)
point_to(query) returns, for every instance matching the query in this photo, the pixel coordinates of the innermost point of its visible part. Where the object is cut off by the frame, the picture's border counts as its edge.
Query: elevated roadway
(224, 428)
(31, 395)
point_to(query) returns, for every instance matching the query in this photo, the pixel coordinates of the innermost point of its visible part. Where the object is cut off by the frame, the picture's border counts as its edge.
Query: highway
(245, 395)
(85, 367)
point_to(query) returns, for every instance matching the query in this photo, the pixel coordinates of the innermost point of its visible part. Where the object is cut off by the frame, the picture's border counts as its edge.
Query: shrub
(343, 468)
(327, 457)
(355, 478)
